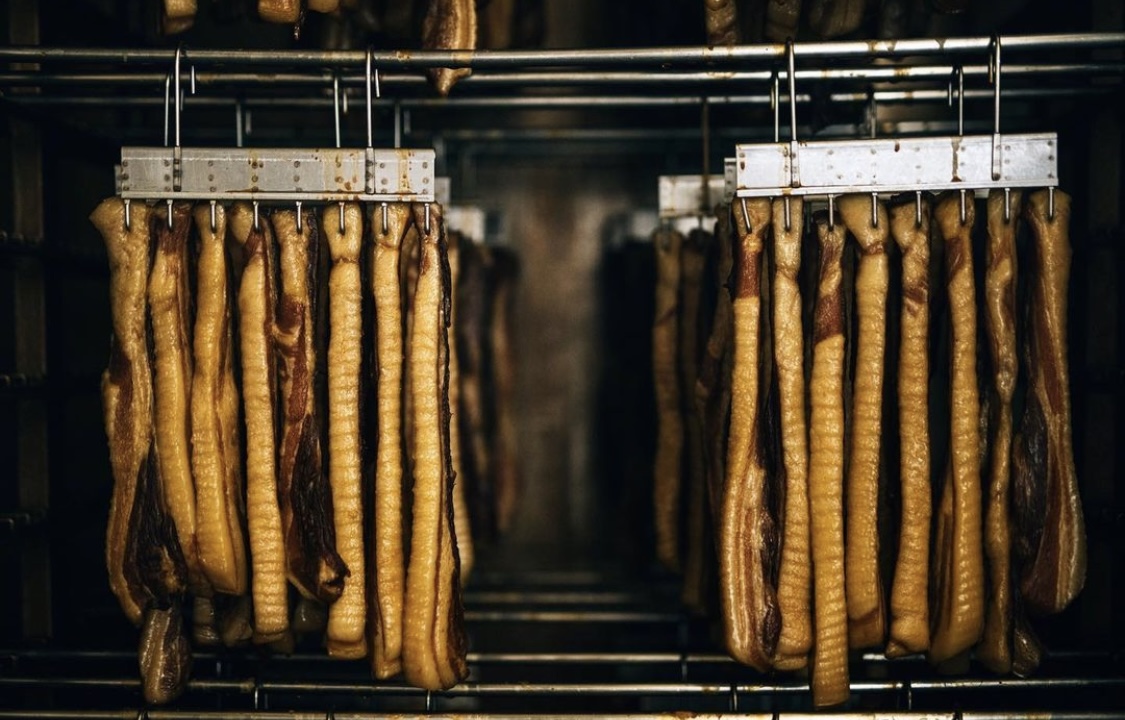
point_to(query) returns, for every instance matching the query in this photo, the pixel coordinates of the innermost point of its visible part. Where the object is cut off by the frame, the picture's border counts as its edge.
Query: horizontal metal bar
(682, 195)
(629, 57)
(492, 689)
(46, 78)
(835, 167)
(564, 102)
(158, 714)
(276, 174)
(564, 616)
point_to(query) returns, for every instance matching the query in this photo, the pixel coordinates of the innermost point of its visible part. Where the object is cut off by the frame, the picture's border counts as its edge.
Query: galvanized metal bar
(278, 175)
(834, 167)
(624, 57)
(682, 195)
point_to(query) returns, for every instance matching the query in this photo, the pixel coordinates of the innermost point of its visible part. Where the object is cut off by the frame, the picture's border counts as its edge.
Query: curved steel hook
(128, 218)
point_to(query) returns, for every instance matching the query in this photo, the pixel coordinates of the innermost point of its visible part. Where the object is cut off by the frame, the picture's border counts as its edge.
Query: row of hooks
(257, 225)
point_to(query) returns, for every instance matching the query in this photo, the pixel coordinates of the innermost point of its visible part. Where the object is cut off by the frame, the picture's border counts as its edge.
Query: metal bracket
(289, 175)
(469, 220)
(730, 178)
(682, 195)
(885, 165)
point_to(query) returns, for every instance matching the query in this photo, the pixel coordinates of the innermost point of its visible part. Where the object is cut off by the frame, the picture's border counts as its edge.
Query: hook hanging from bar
(1051, 203)
(960, 73)
(745, 213)
(214, 218)
(384, 208)
(256, 227)
(964, 209)
(128, 218)
(874, 210)
(167, 105)
(176, 83)
(775, 104)
(788, 217)
(336, 106)
(426, 226)
(341, 208)
(994, 75)
(169, 201)
(371, 77)
(831, 212)
(1007, 204)
(918, 208)
(792, 90)
(298, 216)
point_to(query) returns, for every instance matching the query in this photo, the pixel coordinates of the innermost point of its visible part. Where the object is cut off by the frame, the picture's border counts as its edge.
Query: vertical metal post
(30, 345)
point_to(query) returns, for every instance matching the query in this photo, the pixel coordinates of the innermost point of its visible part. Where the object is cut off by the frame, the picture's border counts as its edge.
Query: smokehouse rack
(310, 128)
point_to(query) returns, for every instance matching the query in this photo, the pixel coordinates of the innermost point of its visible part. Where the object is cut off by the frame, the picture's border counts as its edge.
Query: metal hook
(128, 218)
(831, 212)
(341, 206)
(1051, 203)
(256, 215)
(298, 216)
(792, 90)
(238, 123)
(336, 105)
(384, 218)
(788, 224)
(1007, 204)
(745, 213)
(918, 208)
(994, 76)
(214, 218)
(167, 105)
(775, 105)
(429, 701)
(964, 210)
(874, 210)
(427, 223)
(169, 214)
(176, 83)
(367, 90)
(960, 100)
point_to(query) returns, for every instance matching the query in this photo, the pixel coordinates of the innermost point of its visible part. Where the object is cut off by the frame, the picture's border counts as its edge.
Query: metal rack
(628, 684)
(674, 658)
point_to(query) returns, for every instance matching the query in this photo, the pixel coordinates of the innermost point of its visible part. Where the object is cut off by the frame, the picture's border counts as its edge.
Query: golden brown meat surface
(449, 25)
(1057, 570)
(346, 616)
(794, 584)
(747, 534)
(910, 609)
(866, 611)
(829, 662)
(667, 478)
(958, 568)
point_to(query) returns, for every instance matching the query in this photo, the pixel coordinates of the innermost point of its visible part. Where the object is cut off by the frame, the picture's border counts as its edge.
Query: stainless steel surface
(834, 167)
(683, 195)
(278, 175)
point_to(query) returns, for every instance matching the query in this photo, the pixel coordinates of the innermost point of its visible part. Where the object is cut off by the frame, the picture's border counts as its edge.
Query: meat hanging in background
(449, 25)
(505, 463)
(910, 609)
(667, 472)
(958, 567)
(461, 521)
(747, 533)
